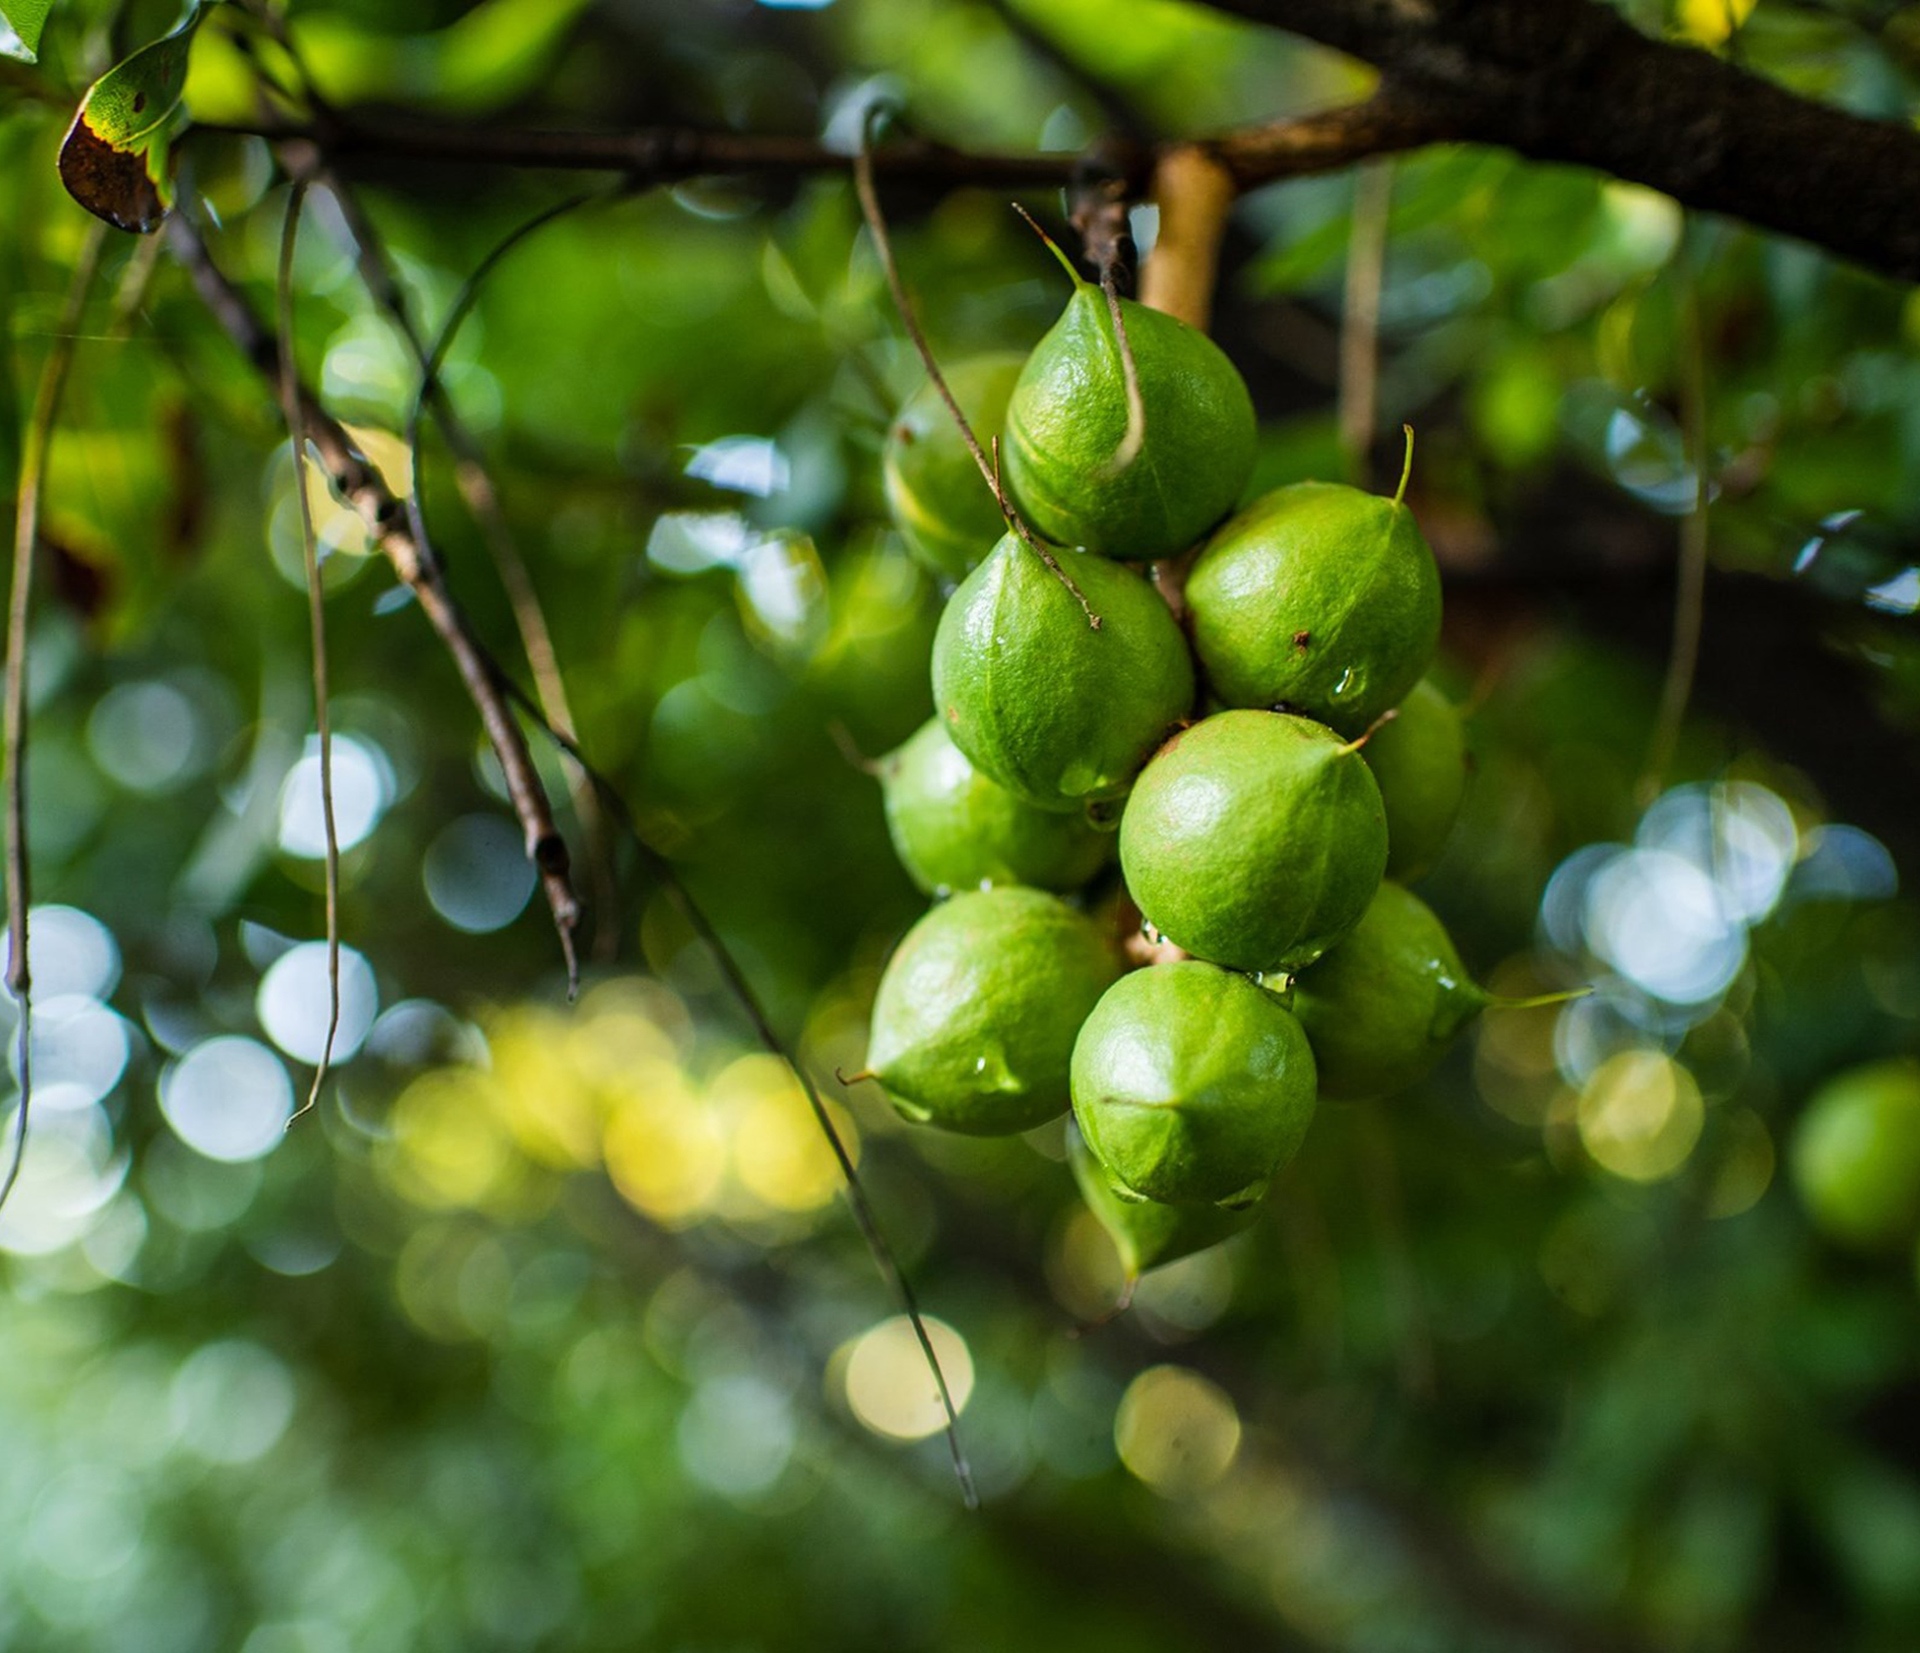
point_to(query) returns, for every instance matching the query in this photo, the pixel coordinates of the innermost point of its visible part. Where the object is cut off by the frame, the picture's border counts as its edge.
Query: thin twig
(662, 154)
(883, 244)
(492, 691)
(457, 313)
(317, 625)
(34, 448)
(1290, 147)
(475, 482)
(1690, 575)
(1360, 315)
(361, 486)
(881, 1249)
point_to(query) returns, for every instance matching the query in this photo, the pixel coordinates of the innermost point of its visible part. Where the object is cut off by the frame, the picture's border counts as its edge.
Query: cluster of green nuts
(1259, 950)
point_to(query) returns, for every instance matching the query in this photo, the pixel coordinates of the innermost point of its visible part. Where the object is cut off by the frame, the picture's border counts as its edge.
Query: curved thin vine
(35, 447)
(667, 876)
(316, 624)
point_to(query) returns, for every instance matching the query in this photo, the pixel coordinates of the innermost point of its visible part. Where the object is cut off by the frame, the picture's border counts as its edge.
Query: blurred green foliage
(548, 1329)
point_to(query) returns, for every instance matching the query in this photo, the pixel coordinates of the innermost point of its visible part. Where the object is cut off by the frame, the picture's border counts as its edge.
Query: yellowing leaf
(114, 161)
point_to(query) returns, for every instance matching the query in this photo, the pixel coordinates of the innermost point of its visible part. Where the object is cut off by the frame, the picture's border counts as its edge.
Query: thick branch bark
(1386, 123)
(1555, 80)
(1570, 80)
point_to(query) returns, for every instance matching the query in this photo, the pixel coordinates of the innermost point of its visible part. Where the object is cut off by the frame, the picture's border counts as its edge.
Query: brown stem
(1690, 571)
(1555, 80)
(360, 485)
(1194, 191)
(1386, 123)
(1360, 318)
(475, 483)
(35, 447)
(989, 469)
(662, 154)
(289, 386)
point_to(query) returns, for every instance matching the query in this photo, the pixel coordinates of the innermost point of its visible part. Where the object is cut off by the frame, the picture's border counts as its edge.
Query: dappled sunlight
(610, 1085)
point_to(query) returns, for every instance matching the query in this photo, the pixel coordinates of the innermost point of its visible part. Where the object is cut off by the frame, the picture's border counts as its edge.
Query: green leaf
(115, 158)
(24, 19)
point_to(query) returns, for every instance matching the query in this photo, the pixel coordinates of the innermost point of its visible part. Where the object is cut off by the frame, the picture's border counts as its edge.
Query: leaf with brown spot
(115, 161)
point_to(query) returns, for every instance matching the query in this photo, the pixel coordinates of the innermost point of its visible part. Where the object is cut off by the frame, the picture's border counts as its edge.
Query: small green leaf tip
(1053, 247)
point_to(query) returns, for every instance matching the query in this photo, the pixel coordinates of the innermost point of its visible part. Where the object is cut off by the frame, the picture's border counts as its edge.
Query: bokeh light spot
(780, 1155)
(294, 1002)
(72, 953)
(145, 736)
(554, 1113)
(362, 789)
(890, 1387)
(228, 1098)
(1176, 1430)
(1746, 1168)
(665, 1154)
(477, 874)
(452, 1147)
(80, 1049)
(1640, 1115)
(231, 1401)
(85, 1525)
(736, 1434)
(68, 1173)
(1659, 920)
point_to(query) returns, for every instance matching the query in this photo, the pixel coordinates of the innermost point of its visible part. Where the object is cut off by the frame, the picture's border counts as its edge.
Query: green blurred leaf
(25, 18)
(115, 158)
(493, 54)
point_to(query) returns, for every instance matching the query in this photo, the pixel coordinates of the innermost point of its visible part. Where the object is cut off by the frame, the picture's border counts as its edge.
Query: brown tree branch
(660, 154)
(361, 486)
(1388, 122)
(1571, 80)
(1194, 193)
(1253, 155)
(1554, 80)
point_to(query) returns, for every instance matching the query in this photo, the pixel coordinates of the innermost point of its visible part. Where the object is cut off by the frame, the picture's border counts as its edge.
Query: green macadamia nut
(1419, 758)
(1319, 598)
(974, 1022)
(1192, 1085)
(1072, 468)
(955, 829)
(1383, 1007)
(938, 499)
(1855, 1154)
(1059, 713)
(1147, 1233)
(1255, 840)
